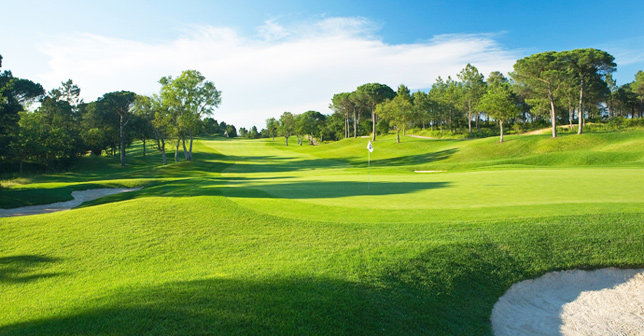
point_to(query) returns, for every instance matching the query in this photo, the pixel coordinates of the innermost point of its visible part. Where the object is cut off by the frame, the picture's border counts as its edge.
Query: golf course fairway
(256, 238)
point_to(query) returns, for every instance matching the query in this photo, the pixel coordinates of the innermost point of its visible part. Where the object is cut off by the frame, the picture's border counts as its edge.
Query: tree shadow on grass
(459, 284)
(270, 164)
(447, 290)
(109, 168)
(24, 268)
(303, 306)
(243, 187)
(417, 159)
(332, 189)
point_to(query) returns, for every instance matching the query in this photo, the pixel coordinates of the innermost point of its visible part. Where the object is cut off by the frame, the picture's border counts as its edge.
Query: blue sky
(275, 56)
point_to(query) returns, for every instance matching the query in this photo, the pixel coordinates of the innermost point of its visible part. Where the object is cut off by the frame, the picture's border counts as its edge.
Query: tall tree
(360, 110)
(272, 126)
(62, 137)
(152, 110)
(587, 66)
(451, 96)
(69, 92)
(370, 95)
(15, 95)
(31, 137)
(440, 104)
(190, 97)
(423, 108)
(397, 112)
(499, 102)
(99, 128)
(406, 108)
(341, 103)
(119, 103)
(231, 131)
(142, 130)
(473, 89)
(637, 87)
(311, 123)
(287, 125)
(612, 87)
(496, 77)
(543, 75)
(211, 126)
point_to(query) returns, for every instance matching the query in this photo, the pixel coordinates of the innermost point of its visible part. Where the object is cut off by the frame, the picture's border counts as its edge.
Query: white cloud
(288, 68)
(272, 30)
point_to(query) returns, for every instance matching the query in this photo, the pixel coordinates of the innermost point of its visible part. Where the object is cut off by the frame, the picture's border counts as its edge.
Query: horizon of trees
(51, 129)
(556, 87)
(571, 87)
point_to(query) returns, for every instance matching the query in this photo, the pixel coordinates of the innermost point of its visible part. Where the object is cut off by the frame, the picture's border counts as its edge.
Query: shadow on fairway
(109, 168)
(464, 279)
(414, 159)
(404, 302)
(273, 164)
(334, 189)
(21, 268)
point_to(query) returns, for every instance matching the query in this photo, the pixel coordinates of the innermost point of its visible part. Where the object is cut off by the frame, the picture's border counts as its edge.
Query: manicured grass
(254, 237)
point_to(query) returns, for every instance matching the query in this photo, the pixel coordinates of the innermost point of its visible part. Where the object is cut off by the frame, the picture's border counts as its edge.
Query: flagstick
(368, 168)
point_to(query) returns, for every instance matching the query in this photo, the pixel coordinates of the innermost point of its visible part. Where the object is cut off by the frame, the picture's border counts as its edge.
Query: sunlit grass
(254, 237)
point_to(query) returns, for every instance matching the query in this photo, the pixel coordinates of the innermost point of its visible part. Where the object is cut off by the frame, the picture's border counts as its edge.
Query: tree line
(51, 129)
(570, 87)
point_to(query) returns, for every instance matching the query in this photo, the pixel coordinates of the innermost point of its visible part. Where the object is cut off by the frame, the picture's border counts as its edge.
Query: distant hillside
(605, 149)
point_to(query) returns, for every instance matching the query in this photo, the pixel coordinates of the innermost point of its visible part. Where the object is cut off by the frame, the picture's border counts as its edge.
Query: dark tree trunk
(286, 140)
(190, 148)
(176, 150)
(355, 125)
(143, 146)
(185, 150)
(373, 122)
(346, 125)
(469, 117)
(165, 160)
(553, 115)
(580, 112)
(121, 127)
(397, 135)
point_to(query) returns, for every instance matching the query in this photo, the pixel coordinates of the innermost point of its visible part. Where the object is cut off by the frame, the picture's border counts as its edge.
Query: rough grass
(254, 237)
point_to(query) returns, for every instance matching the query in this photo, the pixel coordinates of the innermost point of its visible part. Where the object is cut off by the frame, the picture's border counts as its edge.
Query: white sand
(80, 197)
(603, 302)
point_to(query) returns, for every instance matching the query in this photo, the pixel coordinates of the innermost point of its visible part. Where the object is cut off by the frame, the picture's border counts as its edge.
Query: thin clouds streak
(284, 68)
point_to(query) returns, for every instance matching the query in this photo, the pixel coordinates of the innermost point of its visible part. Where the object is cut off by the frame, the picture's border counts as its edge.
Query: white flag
(370, 147)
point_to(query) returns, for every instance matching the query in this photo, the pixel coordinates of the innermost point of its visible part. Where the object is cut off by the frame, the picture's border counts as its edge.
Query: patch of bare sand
(602, 302)
(80, 197)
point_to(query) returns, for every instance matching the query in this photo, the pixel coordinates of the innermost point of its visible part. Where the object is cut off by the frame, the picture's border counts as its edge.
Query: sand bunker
(603, 302)
(80, 197)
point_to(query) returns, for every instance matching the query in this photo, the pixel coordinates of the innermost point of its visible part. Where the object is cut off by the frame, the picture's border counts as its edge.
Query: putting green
(274, 181)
